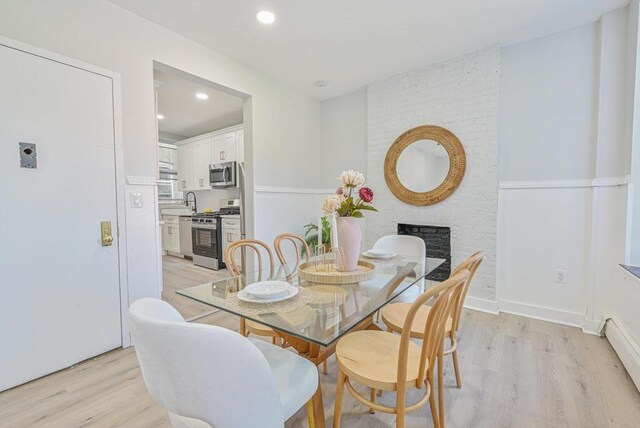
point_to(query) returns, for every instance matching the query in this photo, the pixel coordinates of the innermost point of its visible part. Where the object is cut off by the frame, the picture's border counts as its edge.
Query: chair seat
(395, 314)
(295, 376)
(371, 358)
(259, 329)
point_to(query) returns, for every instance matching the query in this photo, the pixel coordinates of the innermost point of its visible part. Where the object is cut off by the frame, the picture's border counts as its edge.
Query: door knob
(105, 233)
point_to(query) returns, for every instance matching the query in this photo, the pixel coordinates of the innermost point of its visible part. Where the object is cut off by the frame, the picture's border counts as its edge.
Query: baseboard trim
(628, 353)
(481, 305)
(557, 316)
(594, 327)
(542, 313)
(294, 190)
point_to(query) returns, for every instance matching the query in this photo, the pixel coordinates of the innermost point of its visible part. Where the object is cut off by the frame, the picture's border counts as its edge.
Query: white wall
(461, 95)
(544, 230)
(344, 135)
(563, 167)
(565, 141)
(548, 107)
(633, 76)
(285, 122)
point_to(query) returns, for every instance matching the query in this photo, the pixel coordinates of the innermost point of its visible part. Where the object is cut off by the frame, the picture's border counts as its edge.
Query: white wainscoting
(570, 225)
(143, 260)
(285, 210)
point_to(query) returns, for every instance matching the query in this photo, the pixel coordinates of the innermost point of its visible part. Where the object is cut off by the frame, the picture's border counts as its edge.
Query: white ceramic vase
(349, 237)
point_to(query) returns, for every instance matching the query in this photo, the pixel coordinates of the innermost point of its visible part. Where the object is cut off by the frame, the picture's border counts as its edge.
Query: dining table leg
(318, 407)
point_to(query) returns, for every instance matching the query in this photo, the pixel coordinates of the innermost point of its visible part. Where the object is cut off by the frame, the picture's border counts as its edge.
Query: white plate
(379, 254)
(246, 297)
(268, 289)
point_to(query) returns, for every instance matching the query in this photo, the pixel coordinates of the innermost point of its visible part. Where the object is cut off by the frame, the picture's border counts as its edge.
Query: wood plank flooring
(516, 372)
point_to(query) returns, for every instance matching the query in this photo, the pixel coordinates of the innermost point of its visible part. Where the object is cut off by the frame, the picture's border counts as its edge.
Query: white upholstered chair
(208, 376)
(402, 244)
(408, 246)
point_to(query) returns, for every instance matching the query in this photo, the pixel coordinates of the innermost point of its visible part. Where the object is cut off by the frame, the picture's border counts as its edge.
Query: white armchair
(408, 246)
(208, 376)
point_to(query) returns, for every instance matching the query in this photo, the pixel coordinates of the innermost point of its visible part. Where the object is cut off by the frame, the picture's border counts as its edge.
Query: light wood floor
(516, 372)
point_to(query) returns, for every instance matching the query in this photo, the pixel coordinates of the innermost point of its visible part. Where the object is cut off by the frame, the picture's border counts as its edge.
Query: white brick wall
(461, 95)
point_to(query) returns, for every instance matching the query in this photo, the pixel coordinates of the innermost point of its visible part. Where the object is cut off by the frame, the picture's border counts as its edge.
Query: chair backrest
(471, 264)
(201, 371)
(254, 244)
(445, 295)
(409, 246)
(295, 240)
(406, 245)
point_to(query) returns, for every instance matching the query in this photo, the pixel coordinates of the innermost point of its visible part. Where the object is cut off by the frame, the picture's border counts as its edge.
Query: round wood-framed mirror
(425, 165)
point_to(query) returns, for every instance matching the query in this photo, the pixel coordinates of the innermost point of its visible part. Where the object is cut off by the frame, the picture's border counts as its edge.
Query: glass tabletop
(319, 313)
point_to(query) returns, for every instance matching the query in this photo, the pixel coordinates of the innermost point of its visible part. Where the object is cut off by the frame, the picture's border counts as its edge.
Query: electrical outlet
(561, 276)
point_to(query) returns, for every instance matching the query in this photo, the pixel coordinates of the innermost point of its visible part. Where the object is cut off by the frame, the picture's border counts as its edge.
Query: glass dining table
(319, 314)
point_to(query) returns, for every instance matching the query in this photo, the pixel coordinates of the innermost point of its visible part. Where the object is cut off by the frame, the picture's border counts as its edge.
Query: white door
(60, 301)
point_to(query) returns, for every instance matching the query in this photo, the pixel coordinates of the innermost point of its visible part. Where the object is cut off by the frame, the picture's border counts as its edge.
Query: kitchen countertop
(633, 270)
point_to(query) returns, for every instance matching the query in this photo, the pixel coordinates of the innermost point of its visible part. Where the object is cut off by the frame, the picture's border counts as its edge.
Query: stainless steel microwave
(223, 174)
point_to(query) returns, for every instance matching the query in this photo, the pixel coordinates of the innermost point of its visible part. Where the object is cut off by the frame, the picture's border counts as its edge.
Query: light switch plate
(136, 200)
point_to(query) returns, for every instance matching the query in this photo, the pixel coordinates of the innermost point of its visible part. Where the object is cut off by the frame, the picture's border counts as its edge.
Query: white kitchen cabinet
(185, 168)
(171, 233)
(224, 148)
(193, 165)
(197, 153)
(231, 233)
(201, 157)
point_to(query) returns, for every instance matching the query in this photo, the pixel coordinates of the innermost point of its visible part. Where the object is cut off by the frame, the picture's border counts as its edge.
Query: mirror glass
(423, 165)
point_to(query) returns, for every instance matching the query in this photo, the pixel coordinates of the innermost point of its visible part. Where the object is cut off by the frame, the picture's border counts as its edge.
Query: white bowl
(268, 289)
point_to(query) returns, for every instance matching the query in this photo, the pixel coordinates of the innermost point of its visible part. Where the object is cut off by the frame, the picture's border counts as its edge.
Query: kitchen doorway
(201, 180)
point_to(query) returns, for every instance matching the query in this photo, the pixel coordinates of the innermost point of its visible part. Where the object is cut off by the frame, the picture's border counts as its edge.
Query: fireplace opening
(437, 240)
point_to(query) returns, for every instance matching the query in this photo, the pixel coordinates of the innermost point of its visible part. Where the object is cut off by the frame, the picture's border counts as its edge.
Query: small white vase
(349, 237)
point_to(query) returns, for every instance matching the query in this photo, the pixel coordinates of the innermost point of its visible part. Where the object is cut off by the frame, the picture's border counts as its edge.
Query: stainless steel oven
(223, 174)
(204, 237)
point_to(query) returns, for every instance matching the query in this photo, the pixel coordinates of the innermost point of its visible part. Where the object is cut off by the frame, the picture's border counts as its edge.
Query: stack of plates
(267, 292)
(379, 254)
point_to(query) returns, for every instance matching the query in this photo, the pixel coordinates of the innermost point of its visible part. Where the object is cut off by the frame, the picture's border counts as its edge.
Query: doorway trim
(247, 120)
(118, 160)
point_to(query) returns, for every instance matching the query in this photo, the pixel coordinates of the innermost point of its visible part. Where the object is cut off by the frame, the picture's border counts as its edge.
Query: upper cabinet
(224, 148)
(197, 153)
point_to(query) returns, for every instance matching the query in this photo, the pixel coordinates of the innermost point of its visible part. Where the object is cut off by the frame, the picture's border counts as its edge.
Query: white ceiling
(187, 116)
(350, 43)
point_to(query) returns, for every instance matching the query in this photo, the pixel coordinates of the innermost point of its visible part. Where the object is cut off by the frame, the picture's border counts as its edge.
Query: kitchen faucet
(195, 203)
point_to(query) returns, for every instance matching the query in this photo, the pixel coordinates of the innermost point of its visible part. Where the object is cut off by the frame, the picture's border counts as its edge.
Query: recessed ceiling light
(266, 17)
(160, 116)
(202, 96)
(321, 83)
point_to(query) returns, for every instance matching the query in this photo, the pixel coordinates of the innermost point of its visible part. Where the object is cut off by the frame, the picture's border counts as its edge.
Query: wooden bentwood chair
(248, 326)
(394, 316)
(295, 240)
(389, 362)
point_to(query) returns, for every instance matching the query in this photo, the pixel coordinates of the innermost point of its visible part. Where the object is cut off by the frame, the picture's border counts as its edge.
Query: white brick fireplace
(461, 95)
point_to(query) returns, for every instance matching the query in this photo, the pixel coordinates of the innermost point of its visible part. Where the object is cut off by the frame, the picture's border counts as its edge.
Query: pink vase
(349, 235)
